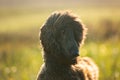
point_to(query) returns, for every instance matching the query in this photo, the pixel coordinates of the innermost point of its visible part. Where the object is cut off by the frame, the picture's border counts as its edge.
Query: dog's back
(88, 67)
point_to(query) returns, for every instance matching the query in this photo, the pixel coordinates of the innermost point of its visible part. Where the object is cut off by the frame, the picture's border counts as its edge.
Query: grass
(19, 63)
(106, 55)
(20, 52)
(23, 63)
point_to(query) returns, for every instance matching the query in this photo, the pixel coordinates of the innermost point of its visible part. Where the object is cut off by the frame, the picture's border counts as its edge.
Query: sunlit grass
(23, 63)
(20, 63)
(106, 55)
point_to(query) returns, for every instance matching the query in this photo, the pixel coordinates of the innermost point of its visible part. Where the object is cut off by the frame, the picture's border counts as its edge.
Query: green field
(20, 52)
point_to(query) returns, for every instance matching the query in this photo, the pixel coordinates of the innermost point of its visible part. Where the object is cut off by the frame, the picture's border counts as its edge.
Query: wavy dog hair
(54, 27)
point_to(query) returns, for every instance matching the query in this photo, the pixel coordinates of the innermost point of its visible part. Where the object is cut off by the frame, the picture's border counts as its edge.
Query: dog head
(61, 35)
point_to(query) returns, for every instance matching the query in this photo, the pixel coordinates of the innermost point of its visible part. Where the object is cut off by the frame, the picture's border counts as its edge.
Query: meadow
(20, 49)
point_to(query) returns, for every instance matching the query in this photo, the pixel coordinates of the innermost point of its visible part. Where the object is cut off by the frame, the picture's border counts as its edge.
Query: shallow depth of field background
(20, 21)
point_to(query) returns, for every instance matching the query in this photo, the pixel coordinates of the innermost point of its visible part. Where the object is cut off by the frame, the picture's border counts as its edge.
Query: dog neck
(54, 63)
(53, 66)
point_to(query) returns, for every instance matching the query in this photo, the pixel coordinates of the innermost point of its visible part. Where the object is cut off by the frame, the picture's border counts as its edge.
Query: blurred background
(20, 21)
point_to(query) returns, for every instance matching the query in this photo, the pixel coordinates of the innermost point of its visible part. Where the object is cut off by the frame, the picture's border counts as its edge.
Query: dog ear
(47, 38)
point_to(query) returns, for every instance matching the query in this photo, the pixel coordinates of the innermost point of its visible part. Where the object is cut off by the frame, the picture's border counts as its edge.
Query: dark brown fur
(61, 35)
